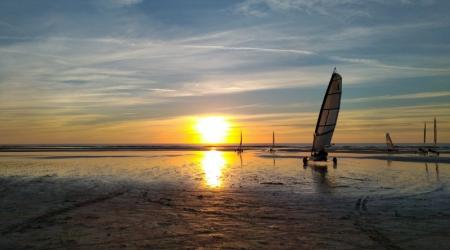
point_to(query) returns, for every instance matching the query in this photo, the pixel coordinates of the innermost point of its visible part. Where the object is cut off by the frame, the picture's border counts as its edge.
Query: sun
(213, 129)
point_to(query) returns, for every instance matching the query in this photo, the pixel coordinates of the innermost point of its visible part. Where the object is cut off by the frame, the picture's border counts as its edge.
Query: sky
(141, 71)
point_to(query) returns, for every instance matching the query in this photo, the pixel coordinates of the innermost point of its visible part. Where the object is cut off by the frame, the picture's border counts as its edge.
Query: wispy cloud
(376, 63)
(323, 7)
(420, 95)
(220, 47)
(118, 3)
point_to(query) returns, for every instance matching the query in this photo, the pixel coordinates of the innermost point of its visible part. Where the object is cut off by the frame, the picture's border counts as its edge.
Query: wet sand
(117, 200)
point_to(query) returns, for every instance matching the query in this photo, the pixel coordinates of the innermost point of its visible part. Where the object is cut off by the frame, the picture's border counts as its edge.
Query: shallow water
(216, 170)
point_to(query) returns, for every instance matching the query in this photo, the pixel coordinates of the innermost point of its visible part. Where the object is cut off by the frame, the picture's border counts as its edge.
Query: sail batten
(334, 124)
(328, 115)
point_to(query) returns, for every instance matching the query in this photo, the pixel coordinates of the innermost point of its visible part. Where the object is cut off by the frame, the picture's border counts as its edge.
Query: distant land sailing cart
(326, 122)
(433, 149)
(389, 144)
(240, 148)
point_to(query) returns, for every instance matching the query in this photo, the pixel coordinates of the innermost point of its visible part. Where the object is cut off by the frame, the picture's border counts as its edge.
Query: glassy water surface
(224, 170)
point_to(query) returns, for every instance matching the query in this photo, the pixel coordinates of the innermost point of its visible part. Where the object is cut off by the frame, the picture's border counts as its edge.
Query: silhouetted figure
(305, 161)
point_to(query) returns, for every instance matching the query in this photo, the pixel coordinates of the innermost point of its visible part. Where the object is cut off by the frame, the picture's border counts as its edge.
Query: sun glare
(213, 162)
(213, 129)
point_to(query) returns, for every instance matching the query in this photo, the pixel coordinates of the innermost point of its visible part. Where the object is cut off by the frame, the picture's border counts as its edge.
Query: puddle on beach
(224, 170)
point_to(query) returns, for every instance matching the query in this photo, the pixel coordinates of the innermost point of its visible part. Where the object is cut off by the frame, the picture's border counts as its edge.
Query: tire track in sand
(20, 227)
(362, 224)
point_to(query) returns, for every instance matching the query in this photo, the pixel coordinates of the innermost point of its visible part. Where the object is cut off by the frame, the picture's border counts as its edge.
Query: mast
(425, 134)
(273, 139)
(435, 132)
(240, 144)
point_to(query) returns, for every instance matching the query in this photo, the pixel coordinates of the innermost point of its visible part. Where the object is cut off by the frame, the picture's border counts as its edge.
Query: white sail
(389, 144)
(328, 115)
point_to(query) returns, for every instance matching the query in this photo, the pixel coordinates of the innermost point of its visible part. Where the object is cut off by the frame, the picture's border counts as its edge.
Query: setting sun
(213, 129)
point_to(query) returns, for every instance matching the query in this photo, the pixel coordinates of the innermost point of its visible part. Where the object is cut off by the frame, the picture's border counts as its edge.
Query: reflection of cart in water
(436, 171)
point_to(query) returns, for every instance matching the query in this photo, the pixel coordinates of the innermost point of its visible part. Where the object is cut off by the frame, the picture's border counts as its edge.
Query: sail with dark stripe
(328, 115)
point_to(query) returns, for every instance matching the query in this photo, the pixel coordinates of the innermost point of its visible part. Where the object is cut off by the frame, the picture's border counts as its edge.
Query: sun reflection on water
(213, 163)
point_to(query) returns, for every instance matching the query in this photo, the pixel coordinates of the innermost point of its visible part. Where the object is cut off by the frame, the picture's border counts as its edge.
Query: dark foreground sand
(53, 213)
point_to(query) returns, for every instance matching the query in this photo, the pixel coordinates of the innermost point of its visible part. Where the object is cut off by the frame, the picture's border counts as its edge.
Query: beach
(158, 199)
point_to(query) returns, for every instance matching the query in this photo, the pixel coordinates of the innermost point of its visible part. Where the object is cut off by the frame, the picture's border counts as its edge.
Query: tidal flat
(219, 199)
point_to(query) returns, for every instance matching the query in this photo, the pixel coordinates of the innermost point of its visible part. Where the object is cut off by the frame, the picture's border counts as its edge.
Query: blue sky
(129, 71)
